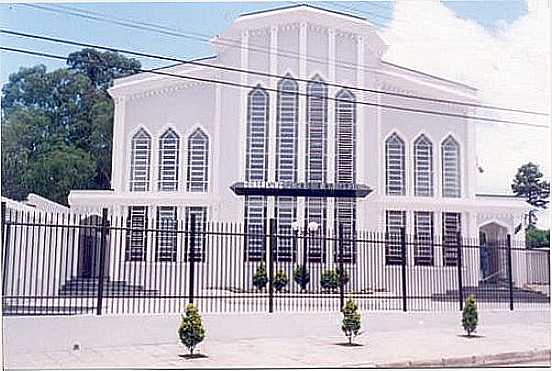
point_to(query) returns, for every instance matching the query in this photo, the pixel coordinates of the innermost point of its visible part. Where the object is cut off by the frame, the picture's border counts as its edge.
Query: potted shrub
(191, 331)
(328, 280)
(280, 280)
(260, 278)
(341, 277)
(351, 320)
(301, 276)
(469, 315)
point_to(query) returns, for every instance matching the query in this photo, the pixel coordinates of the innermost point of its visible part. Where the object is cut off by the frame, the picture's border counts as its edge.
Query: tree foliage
(260, 278)
(469, 315)
(57, 126)
(528, 183)
(351, 320)
(191, 331)
(538, 237)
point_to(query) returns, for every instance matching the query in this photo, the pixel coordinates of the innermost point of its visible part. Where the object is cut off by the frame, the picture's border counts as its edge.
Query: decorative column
(119, 165)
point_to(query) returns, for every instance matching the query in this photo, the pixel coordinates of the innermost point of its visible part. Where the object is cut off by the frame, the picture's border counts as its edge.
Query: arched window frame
(451, 168)
(423, 166)
(169, 161)
(140, 161)
(198, 161)
(395, 165)
(345, 169)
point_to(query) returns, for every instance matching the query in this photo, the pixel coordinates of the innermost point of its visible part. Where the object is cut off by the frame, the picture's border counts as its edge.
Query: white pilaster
(361, 139)
(244, 62)
(214, 185)
(119, 166)
(273, 83)
(330, 139)
(469, 182)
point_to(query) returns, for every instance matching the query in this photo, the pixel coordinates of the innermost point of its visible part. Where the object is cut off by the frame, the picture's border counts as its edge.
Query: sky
(500, 47)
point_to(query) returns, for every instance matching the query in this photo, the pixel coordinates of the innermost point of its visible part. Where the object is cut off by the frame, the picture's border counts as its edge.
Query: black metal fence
(69, 264)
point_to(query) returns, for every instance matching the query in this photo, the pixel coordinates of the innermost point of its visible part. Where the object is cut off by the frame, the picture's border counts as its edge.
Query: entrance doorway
(89, 247)
(492, 253)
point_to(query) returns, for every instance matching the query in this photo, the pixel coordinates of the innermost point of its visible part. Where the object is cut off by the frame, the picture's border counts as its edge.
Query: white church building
(322, 106)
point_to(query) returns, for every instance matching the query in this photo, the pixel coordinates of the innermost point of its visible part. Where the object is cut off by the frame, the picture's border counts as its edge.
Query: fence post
(5, 245)
(341, 271)
(103, 235)
(459, 263)
(510, 278)
(271, 246)
(191, 258)
(403, 266)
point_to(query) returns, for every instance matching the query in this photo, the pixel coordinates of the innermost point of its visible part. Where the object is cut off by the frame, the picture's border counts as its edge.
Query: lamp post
(311, 228)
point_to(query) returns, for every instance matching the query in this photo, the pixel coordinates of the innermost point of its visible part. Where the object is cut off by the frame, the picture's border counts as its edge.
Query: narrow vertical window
(136, 236)
(450, 150)
(256, 169)
(140, 162)
(286, 164)
(169, 145)
(200, 237)
(395, 222)
(423, 167)
(423, 234)
(166, 235)
(395, 179)
(345, 170)
(316, 161)
(451, 237)
(198, 161)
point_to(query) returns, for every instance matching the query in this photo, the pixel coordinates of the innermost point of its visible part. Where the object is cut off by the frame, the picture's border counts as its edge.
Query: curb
(470, 361)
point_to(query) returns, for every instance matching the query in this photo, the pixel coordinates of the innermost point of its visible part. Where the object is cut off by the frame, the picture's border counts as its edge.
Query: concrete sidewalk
(423, 346)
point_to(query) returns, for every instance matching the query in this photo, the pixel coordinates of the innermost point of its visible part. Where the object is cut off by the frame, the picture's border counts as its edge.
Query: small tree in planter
(341, 277)
(191, 331)
(260, 278)
(328, 280)
(280, 280)
(469, 315)
(301, 276)
(351, 320)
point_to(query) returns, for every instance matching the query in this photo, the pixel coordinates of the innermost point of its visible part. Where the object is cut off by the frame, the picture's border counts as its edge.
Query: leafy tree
(328, 280)
(68, 109)
(260, 278)
(538, 237)
(469, 315)
(301, 276)
(528, 183)
(280, 280)
(191, 331)
(351, 320)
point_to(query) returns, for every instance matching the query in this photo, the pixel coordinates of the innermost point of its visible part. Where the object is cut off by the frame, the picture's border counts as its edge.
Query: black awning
(308, 189)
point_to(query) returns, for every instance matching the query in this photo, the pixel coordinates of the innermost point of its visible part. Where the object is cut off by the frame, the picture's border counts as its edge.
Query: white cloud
(509, 64)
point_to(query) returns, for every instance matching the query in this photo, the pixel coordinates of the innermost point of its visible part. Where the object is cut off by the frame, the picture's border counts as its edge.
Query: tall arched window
(423, 167)
(345, 168)
(395, 166)
(140, 161)
(256, 169)
(198, 161)
(316, 159)
(450, 153)
(169, 144)
(285, 208)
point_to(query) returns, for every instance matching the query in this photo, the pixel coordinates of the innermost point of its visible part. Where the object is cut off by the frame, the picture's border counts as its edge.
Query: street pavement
(397, 348)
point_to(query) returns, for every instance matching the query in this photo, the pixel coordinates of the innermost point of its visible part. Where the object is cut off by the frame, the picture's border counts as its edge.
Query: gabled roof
(299, 6)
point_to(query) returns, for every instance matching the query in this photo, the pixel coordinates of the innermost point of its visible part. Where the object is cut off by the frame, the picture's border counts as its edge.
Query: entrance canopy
(304, 189)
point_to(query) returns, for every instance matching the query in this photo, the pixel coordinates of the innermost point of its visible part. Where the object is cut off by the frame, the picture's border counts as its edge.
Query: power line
(239, 85)
(264, 74)
(175, 32)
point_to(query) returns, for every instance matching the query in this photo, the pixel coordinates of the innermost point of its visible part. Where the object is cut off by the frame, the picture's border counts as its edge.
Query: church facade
(322, 106)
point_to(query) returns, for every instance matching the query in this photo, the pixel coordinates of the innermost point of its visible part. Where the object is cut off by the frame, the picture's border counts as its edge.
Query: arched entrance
(89, 247)
(493, 253)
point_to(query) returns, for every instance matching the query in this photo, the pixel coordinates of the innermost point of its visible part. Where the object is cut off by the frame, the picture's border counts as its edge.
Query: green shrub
(344, 277)
(351, 320)
(328, 280)
(301, 276)
(191, 331)
(280, 280)
(469, 315)
(260, 278)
